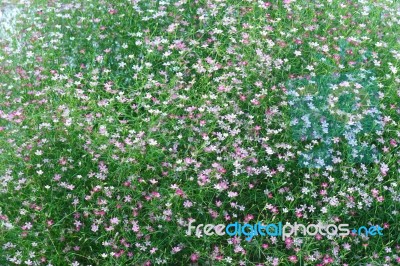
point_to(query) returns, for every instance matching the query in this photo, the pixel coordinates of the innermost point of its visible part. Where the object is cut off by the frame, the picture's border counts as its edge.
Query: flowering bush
(121, 122)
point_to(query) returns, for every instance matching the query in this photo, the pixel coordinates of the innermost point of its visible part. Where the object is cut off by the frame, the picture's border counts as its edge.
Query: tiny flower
(293, 259)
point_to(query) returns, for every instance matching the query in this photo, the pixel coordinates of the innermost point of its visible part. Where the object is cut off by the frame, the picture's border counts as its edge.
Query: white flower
(152, 142)
(269, 150)
(393, 69)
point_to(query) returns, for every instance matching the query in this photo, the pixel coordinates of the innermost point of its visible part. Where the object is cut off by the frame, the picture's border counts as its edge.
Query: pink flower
(114, 220)
(194, 257)
(293, 259)
(393, 143)
(384, 169)
(267, 4)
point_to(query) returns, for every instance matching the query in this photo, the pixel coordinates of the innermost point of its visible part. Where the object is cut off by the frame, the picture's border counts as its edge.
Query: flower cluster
(123, 121)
